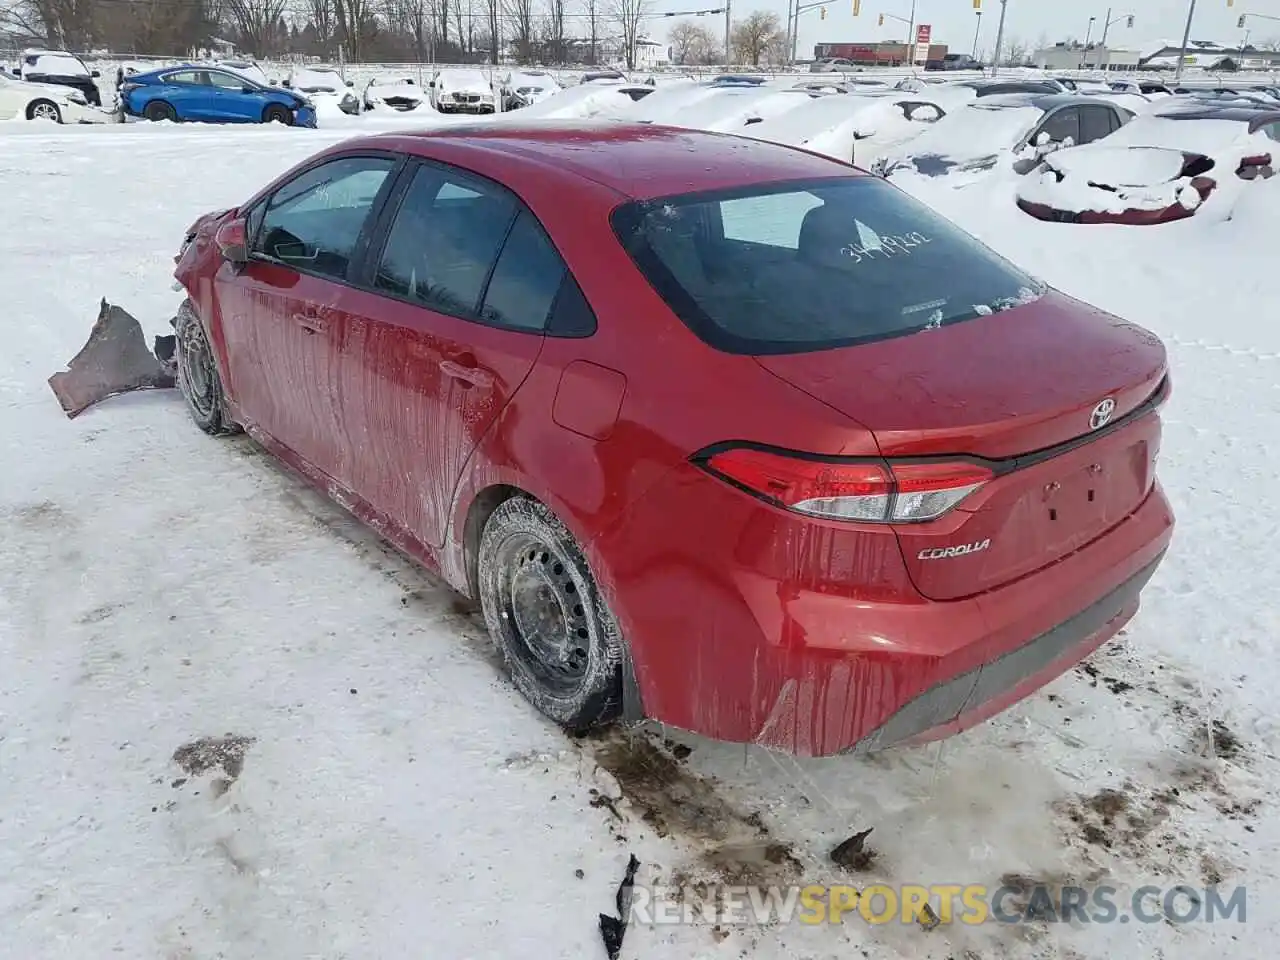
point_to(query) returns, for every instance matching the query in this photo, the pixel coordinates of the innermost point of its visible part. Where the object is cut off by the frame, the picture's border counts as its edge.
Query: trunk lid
(1018, 388)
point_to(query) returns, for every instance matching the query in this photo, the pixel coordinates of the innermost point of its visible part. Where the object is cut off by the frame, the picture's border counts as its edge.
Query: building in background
(888, 54)
(1078, 56)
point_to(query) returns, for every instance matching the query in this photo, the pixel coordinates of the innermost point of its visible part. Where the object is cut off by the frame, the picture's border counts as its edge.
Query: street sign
(923, 32)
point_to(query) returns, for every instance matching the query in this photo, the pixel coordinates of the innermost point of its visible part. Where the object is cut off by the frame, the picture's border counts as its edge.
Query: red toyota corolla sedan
(719, 433)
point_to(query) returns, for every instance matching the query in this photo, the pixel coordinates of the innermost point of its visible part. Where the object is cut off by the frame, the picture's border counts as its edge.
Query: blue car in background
(210, 95)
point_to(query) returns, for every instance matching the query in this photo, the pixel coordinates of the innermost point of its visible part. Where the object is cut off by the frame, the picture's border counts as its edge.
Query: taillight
(1251, 167)
(859, 491)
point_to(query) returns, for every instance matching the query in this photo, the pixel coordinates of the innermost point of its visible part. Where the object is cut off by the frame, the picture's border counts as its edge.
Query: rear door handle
(310, 322)
(475, 376)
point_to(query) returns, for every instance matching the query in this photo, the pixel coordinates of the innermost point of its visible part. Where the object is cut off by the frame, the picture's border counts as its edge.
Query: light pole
(976, 30)
(1084, 53)
(995, 62)
(1106, 27)
(1186, 38)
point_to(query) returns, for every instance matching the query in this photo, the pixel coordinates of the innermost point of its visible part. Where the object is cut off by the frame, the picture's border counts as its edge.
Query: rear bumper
(982, 692)
(747, 624)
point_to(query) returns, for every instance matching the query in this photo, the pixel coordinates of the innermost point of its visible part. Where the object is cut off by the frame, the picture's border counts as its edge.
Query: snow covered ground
(233, 725)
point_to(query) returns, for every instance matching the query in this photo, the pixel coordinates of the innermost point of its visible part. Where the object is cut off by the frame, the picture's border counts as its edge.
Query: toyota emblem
(1101, 415)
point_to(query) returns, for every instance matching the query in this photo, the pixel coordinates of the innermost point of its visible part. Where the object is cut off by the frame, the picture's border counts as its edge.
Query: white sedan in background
(402, 95)
(462, 91)
(20, 100)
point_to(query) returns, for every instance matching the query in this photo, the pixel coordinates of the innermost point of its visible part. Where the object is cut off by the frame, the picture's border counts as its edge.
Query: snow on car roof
(55, 64)
(1208, 134)
(981, 127)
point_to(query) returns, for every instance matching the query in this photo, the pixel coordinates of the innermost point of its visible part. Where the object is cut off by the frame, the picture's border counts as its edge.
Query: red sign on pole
(923, 33)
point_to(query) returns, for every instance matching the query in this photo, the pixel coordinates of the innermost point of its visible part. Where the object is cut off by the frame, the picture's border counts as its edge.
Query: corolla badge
(1101, 414)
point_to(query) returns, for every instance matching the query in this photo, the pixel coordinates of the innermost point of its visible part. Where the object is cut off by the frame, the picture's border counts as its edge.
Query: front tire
(277, 114)
(542, 607)
(198, 377)
(44, 110)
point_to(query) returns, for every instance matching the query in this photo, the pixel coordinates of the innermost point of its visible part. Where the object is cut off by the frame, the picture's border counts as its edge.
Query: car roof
(640, 161)
(1043, 101)
(1260, 114)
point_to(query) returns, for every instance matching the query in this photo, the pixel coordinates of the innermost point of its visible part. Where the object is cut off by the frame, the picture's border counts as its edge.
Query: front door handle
(473, 376)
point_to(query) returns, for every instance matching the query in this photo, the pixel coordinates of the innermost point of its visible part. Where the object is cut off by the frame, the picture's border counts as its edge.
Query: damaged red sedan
(718, 432)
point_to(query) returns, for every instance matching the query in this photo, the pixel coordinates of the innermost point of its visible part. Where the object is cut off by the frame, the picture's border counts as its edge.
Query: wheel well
(31, 107)
(270, 109)
(482, 507)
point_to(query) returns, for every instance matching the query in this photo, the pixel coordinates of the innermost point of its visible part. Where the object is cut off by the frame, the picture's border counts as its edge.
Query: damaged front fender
(115, 360)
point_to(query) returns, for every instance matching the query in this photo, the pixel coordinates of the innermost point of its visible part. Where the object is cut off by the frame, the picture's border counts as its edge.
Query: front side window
(444, 241)
(815, 265)
(1061, 126)
(314, 222)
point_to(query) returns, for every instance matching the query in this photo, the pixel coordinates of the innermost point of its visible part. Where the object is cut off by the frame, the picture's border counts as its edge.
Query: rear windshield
(798, 267)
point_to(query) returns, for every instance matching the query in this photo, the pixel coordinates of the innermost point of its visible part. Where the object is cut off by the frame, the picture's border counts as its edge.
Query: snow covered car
(1019, 128)
(388, 94)
(526, 87)
(589, 101)
(61, 69)
(324, 86)
(247, 69)
(462, 91)
(854, 128)
(1158, 169)
(37, 101)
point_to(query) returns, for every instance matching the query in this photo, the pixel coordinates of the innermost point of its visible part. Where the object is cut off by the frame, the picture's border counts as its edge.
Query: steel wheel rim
(544, 613)
(197, 371)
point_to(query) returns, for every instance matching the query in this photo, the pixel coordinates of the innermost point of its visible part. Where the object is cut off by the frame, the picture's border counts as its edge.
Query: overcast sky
(954, 21)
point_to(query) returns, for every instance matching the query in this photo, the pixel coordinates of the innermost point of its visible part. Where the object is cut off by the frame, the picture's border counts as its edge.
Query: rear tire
(44, 110)
(542, 607)
(277, 114)
(198, 377)
(158, 110)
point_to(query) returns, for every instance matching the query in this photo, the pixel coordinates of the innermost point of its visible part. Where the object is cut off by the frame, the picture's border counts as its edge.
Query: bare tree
(628, 15)
(60, 24)
(520, 13)
(692, 43)
(591, 10)
(1015, 53)
(750, 38)
(492, 9)
(322, 18)
(353, 21)
(555, 32)
(256, 22)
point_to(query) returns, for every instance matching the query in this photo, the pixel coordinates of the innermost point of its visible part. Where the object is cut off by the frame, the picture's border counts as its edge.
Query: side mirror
(232, 241)
(285, 82)
(95, 74)
(351, 83)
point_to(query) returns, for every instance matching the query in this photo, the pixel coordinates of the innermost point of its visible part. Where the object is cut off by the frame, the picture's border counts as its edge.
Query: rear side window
(525, 280)
(1096, 122)
(186, 76)
(444, 241)
(789, 268)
